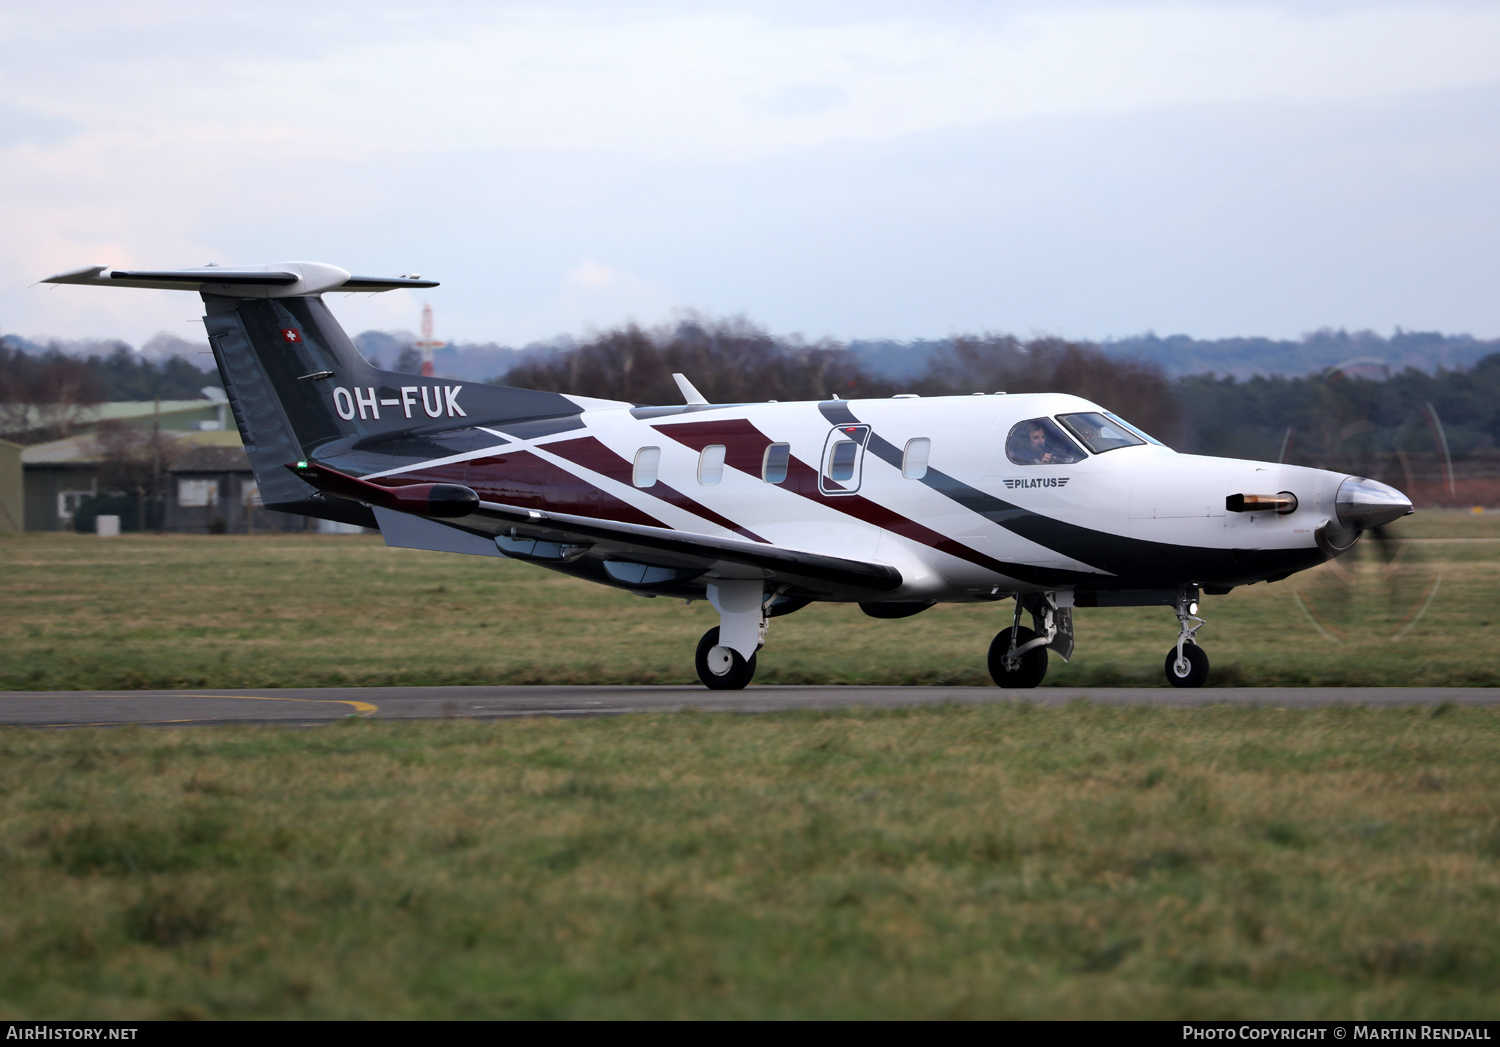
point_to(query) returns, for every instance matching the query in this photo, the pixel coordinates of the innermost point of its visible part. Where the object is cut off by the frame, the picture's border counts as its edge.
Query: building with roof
(169, 415)
(213, 490)
(205, 483)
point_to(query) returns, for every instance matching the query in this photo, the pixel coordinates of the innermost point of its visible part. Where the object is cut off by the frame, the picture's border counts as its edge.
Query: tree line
(1330, 418)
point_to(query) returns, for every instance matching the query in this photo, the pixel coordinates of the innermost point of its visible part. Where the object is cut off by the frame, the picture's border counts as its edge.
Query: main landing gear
(726, 654)
(1018, 655)
(722, 668)
(1187, 665)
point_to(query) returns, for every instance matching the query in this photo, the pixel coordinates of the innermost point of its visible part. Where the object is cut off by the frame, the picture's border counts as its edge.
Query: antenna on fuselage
(689, 394)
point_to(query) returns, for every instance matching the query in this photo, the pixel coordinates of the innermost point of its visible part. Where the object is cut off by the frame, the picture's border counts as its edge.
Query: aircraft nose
(1363, 504)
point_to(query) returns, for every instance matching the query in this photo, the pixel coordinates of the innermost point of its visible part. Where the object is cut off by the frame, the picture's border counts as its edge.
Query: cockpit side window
(1099, 432)
(1038, 441)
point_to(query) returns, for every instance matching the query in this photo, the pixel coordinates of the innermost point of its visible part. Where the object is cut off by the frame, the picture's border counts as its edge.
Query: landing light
(1193, 607)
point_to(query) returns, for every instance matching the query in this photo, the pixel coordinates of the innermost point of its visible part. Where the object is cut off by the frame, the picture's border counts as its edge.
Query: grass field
(164, 611)
(1008, 860)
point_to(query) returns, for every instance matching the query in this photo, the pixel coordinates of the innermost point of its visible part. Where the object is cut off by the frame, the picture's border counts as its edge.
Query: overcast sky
(831, 169)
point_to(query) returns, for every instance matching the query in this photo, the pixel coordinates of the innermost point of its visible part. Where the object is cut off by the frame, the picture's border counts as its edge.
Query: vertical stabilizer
(278, 358)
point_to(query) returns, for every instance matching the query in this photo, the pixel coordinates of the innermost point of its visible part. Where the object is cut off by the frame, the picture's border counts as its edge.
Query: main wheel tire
(1193, 673)
(718, 672)
(1033, 667)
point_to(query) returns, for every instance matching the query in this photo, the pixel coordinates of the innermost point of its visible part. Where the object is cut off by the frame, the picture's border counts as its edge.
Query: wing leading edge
(461, 507)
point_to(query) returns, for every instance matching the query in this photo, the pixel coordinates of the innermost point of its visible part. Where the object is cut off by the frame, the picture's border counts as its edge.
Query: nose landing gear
(1187, 665)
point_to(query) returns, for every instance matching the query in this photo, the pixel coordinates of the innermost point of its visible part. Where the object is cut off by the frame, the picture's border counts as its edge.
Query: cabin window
(914, 461)
(842, 456)
(711, 464)
(841, 461)
(1038, 441)
(647, 463)
(1099, 432)
(773, 467)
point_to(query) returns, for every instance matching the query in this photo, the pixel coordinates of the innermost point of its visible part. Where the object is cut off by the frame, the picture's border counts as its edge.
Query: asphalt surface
(314, 706)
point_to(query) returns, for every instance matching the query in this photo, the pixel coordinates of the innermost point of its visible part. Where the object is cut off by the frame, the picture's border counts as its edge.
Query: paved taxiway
(311, 706)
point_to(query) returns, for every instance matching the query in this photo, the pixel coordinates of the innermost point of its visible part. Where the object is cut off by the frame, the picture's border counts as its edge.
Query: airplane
(1047, 500)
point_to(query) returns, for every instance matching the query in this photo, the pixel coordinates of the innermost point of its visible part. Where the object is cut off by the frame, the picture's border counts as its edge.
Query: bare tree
(44, 397)
(729, 361)
(1137, 390)
(135, 461)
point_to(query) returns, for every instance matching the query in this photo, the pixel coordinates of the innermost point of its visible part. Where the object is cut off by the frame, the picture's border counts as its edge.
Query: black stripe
(1131, 560)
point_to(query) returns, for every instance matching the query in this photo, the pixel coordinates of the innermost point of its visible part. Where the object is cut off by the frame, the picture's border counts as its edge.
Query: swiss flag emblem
(290, 335)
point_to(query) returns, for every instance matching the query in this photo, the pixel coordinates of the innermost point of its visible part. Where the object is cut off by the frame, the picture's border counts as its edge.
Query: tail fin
(301, 391)
(277, 358)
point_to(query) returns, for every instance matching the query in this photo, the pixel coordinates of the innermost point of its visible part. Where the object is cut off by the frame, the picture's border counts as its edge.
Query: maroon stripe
(591, 454)
(521, 478)
(745, 448)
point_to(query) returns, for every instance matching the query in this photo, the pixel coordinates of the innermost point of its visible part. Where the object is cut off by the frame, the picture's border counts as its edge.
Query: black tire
(1033, 667)
(739, 673)
(1196, 670)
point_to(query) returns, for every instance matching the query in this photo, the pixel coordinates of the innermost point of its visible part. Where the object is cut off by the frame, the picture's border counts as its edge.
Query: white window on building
(68, 503)
(196, 494)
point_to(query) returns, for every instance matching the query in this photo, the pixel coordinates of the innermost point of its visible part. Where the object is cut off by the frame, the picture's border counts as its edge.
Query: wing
(684, 552)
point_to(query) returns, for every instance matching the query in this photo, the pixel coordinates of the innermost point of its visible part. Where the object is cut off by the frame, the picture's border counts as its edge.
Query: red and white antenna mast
(428, 344)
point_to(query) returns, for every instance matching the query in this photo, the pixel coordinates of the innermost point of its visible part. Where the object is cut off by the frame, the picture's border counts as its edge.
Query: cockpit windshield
(1100, 432)
(1038, 441)
(1134, 429)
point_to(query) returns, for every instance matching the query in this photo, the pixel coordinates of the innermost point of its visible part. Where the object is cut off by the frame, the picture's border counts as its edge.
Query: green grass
(308, 610)
(999, 861)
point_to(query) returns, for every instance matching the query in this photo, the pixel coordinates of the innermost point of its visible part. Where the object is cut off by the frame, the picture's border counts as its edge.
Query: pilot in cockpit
(1038, 442)
(1036, 450)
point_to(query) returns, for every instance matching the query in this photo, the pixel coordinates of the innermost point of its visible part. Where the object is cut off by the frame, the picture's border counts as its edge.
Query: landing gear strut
(1018, 655)
(726, 655)
(1187, 665)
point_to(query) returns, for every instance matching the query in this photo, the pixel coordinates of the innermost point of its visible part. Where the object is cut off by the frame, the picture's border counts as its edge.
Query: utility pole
(155, 465)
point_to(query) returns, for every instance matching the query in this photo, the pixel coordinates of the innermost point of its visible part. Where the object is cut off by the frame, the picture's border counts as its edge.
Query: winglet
(689, 394)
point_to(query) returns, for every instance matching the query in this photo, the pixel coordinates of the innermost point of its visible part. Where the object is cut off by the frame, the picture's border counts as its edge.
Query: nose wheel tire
(1033, 664)
(722, 668)
(1192, 671)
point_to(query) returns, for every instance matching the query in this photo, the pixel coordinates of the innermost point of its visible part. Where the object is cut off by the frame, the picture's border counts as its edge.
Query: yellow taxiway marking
(361, 709)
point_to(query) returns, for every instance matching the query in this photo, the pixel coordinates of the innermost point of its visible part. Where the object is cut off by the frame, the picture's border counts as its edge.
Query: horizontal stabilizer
(278, 280)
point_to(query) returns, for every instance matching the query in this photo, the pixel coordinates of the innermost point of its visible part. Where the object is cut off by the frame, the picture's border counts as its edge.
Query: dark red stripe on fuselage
(521, 478)
(588, 452)
(745, 449)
